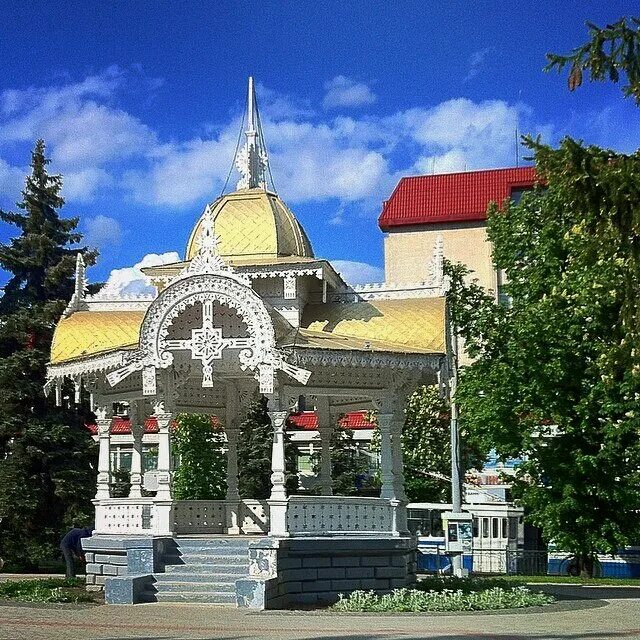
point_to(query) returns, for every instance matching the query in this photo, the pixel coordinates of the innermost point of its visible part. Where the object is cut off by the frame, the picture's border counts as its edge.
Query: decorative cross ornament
(207, 343)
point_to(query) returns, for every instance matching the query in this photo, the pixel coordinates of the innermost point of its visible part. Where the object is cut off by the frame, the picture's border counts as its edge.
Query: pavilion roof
(397, 326)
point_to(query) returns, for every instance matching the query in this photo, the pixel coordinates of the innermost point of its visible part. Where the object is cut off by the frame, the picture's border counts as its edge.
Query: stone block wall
(307, 571)
(121, 561)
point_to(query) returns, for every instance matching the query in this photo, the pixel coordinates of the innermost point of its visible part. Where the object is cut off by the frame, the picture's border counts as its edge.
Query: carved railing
(199, 516)
(125, 516)
(254, 516)
(334, 515)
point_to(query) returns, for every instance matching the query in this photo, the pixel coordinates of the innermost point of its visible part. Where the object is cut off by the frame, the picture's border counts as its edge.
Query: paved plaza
(594, 614)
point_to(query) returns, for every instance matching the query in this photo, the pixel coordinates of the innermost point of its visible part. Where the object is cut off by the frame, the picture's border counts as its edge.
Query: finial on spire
(252, 160)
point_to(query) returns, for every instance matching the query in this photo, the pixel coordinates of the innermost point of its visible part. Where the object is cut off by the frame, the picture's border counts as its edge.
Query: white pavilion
(249, 311)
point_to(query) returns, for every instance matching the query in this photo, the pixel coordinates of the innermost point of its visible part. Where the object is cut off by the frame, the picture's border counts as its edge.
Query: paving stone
(110, 570)
(391, 572)
(334, 573)
(346, 585)
(345, 561)
(317, 585)
(317, 561)
(94, 568)
(298, 574)
(359, 572)
(375, 561)
(289, 563)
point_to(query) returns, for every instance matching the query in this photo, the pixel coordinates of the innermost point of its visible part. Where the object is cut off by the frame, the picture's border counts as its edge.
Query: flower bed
(417, 600)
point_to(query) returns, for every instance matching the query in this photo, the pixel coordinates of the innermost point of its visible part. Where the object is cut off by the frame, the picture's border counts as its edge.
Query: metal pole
(456, 485)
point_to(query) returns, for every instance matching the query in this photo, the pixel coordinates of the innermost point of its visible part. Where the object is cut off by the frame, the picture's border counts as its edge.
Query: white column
(386, 456)
(397, 458)
(325, 429)
(137, 431)
(278, 499)
(164, 421)
(103, 421)
(163, 511)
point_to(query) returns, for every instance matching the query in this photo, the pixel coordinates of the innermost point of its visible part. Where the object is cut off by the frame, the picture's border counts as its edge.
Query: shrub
(45, 590)
(416, 600)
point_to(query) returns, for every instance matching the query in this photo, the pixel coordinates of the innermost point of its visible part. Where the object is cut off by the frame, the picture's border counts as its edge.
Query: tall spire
(251, 160)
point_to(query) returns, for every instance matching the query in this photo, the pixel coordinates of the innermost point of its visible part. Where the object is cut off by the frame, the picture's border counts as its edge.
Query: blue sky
(140, 104)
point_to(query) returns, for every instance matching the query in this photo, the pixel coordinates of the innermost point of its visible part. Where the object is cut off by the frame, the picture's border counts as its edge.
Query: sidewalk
(613, 619)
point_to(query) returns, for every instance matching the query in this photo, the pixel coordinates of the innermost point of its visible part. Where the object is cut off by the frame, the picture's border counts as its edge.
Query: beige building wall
(408, 251)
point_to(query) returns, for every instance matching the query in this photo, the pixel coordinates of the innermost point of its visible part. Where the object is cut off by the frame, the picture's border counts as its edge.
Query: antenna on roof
(517, 148)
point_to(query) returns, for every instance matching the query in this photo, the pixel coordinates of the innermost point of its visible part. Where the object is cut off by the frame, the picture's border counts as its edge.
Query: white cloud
(358, 272)
(131, 280)
(82, 185)
(11, 178)
(98, 146)
(102, 232)
(477, 61)
(345, 92)
(83, 132)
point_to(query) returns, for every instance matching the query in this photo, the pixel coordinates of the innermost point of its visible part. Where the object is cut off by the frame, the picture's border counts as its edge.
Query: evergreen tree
(349, 465)
(47, 477)
(254, 454)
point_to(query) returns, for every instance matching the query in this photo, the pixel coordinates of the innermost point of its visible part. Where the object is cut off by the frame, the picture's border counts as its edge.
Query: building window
(495, 529)
(485, 527)
(504, 528)
(304, 462)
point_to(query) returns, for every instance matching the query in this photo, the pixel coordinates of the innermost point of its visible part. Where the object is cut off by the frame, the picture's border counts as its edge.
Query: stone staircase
(201, 570)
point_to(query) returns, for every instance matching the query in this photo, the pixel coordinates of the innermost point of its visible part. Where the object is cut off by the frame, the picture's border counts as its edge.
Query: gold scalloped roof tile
(405, 325)
(254, 222)
(88, 333)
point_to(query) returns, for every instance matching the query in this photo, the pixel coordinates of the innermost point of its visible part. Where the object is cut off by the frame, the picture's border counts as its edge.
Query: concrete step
(223, 598)
(200, 576)
(222, 543)
(205, 567)
(206, 551)
(229, 562)
(208, 587)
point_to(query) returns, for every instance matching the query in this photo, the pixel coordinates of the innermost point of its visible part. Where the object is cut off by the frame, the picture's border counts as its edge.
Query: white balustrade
(199, 516)
(331, 515)
(254, 516)
(125, 515)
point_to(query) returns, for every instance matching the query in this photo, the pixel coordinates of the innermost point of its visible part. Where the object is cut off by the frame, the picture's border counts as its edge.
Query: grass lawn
(47, 590)
(600, 582)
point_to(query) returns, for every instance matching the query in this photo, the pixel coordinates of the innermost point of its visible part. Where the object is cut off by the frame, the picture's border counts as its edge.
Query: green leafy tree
(255, 441)
(47, 470)
(610, 52)
(200, 447)
(426, 447)
(556, 374)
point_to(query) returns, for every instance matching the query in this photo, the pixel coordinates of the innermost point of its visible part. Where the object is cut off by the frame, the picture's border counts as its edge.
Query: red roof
(308, 420)
(305, 420)
(120, 425)
(451, 197)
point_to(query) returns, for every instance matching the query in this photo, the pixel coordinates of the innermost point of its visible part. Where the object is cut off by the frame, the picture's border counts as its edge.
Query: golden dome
(254, 222)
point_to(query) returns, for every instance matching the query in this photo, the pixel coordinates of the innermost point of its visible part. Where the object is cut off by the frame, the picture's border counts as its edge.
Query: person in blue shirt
(71, 546)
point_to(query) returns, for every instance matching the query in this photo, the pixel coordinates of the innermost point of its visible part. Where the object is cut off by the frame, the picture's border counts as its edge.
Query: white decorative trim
(372, 360)
(77, 301)
(92, 364)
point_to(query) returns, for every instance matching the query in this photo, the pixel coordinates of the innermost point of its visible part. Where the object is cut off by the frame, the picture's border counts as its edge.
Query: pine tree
(254, 454)
(47, 475)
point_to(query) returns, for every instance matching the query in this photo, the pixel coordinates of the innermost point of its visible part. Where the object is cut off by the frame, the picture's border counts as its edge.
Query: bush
(45, 590)
(416, 600)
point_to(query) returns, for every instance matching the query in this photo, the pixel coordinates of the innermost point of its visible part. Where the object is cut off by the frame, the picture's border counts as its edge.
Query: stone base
(303, 571)
(122, 565)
